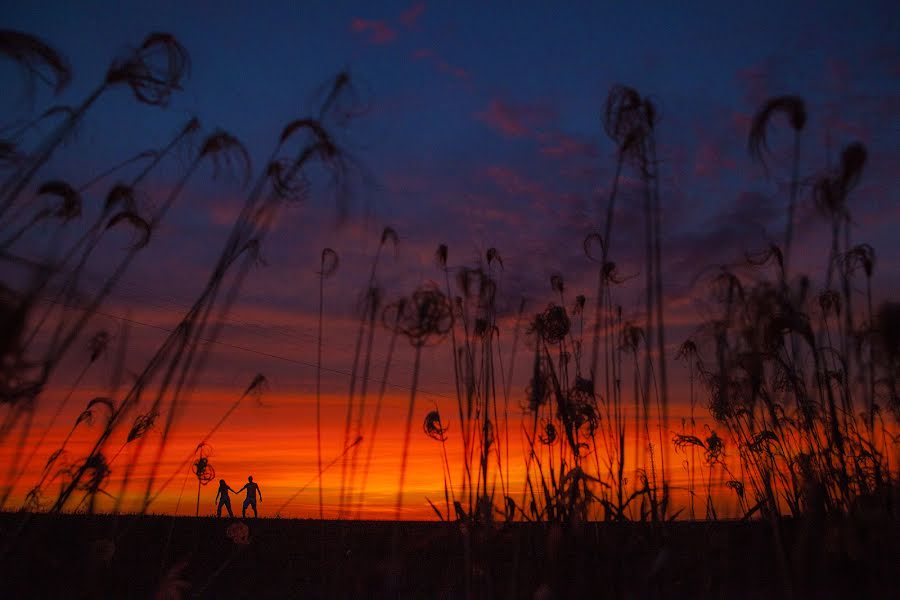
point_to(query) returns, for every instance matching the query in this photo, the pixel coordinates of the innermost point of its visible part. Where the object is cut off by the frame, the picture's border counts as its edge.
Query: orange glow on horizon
(275, 441)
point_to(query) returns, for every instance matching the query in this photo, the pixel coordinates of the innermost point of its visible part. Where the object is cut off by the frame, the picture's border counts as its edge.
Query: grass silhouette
(801, 386)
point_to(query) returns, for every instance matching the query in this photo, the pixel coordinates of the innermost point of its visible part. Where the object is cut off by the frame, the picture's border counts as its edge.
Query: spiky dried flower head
(37, 59)
(433, 426)
(552, 325)
(548, 434)
(203, 469)
(424, 318)
(581, 410)
(793, 107)
(153, 70)
(328, 263)
(715, 447)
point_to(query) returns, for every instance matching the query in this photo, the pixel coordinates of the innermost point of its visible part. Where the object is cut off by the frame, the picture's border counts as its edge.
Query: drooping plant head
(257, 387)
(441, 256)
(69, 199)
(631, 337)
(557, 284)
(580, 301)
(831, 188)
(87, 415)
(142, 424)
(792, 107)
(137, 222)
(628, 120)
(433, 426)
(853, 159)
(342, 99)
(98, 344)
(229, 156)
(37, 59)
(830, 301)
(493, 256)
(317, 146)
(328, 265)
(623, 114)
(153, 70)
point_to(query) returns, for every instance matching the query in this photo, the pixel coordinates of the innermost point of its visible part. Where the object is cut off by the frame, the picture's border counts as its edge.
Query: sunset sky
(483, 129)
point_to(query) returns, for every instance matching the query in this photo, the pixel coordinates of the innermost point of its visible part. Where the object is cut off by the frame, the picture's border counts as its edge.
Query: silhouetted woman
(223, 499)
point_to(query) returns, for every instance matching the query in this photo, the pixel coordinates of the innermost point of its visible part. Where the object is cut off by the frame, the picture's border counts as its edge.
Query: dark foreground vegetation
(94, 556)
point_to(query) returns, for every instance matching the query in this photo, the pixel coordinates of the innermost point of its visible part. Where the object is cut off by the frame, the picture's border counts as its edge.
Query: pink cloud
(410, 16)
(561, 145)
(457, 72)
(711, 160)
(441, 64)
(512, 120)
(380, 32)
(514, 184)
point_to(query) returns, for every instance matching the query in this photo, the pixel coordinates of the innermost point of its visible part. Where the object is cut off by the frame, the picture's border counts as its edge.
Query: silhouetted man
(252, 491)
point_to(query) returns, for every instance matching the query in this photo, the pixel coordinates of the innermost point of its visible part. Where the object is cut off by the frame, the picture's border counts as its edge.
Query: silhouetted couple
(224, 500)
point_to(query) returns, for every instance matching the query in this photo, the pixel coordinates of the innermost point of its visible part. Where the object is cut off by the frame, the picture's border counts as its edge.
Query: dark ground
(104, 556)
